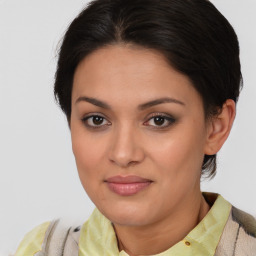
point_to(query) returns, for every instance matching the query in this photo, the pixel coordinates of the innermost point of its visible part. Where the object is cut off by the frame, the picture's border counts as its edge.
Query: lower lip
(127, 189)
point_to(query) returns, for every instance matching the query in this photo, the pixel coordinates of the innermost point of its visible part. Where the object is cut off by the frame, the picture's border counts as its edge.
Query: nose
(126, 149)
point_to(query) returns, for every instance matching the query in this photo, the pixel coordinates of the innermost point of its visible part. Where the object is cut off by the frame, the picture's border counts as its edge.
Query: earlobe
(219, 128)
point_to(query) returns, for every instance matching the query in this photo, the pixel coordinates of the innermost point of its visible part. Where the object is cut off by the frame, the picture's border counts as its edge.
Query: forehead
(128, 73)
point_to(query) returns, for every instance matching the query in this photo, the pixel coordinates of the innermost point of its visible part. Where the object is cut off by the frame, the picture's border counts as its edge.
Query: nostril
(132, 163)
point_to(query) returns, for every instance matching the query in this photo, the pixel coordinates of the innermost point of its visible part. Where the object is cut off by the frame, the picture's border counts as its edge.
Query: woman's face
(138, 134)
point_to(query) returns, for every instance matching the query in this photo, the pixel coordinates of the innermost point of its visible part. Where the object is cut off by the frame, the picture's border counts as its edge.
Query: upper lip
(127, 179)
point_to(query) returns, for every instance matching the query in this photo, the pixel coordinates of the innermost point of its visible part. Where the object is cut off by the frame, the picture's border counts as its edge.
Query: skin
(128, 140)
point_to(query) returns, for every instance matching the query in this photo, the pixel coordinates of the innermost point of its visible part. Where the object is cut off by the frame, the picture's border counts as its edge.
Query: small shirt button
(187, 243)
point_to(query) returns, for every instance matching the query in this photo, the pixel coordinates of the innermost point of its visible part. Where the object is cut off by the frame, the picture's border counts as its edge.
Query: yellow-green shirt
(98, 237)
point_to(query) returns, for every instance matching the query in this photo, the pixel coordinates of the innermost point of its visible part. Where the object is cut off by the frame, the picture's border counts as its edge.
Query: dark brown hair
(193, 35)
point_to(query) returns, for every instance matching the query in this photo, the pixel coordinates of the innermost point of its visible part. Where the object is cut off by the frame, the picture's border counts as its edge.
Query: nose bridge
(125, 145)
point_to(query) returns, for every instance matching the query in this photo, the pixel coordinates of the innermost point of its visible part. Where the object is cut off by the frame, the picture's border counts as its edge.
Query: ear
(219, 128)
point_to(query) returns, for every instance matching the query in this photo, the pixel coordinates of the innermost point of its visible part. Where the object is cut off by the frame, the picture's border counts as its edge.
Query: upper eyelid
(94, 114)
(156, 114)
(159, 114)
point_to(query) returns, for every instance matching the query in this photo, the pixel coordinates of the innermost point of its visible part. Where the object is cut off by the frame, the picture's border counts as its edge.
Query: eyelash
(167, 118)
(85, 121)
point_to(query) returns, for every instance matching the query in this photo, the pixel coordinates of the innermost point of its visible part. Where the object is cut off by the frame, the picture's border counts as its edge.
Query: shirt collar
(98, 236)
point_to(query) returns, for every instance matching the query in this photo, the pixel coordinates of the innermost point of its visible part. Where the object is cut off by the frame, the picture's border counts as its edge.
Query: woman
(149, 89)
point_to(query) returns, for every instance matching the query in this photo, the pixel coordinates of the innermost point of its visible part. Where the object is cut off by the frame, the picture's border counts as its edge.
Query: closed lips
(127, 186)
(127, 179)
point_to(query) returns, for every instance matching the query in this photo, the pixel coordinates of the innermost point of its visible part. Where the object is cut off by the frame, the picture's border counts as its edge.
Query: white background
(38, 178)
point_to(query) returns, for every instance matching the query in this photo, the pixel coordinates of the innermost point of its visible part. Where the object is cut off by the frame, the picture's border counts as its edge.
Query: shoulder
(239, 235)
(50, 239)
(245, 221)
(33, 240)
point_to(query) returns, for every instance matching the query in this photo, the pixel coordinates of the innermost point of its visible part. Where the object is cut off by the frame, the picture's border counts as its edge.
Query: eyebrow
(143, 106)
(93, 101)
(159, 101)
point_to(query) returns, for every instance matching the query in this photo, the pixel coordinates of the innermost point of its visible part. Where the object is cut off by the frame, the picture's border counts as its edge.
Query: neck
(165, 233)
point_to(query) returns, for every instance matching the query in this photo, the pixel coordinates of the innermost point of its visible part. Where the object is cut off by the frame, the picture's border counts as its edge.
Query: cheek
(85, 154)
(87, 150)
(88, 155)
(180, 153)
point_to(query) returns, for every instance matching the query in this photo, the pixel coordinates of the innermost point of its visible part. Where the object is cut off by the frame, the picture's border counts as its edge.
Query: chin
(126, 215)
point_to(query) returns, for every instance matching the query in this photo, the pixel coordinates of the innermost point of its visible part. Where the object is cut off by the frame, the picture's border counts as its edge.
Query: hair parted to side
(195, 38)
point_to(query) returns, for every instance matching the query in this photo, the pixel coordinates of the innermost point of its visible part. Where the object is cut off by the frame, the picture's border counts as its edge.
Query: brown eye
(160, 121)
(95, 121)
